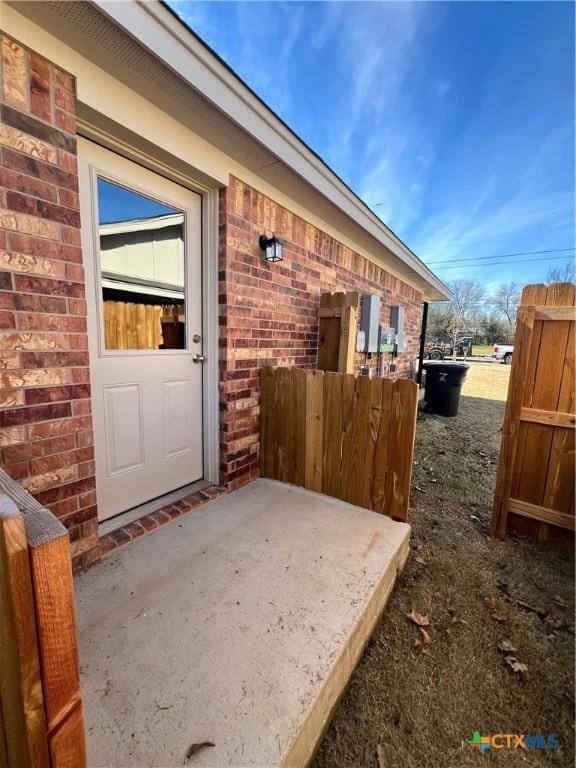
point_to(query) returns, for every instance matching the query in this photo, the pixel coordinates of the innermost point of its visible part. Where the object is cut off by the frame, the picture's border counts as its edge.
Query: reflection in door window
(142, 270)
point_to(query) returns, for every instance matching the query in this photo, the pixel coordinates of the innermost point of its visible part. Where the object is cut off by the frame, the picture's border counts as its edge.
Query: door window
(142, 270)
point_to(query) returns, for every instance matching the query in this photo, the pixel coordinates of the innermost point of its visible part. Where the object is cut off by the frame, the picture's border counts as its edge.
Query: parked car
(503, 352)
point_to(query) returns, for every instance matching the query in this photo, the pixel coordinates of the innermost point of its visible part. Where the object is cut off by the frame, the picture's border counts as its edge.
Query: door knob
(199, 359)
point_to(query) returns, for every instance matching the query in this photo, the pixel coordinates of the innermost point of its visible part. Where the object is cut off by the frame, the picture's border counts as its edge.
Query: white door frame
(210, 240)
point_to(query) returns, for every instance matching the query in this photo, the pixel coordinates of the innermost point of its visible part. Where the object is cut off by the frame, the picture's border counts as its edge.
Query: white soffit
(144, 46)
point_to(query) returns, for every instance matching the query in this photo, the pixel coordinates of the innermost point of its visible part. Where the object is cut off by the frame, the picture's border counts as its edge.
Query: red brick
(51, 322)
(53, 359)
(40, 101)
(28, 185)
(64, 491)
(16, 201)
(36, 395)
(33, 166)
(43, 248)
(7, 320)
(32, 284)
(65, 121)
(107, 544)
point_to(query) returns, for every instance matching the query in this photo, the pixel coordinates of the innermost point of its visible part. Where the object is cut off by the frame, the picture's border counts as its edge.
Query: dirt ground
(416, 706)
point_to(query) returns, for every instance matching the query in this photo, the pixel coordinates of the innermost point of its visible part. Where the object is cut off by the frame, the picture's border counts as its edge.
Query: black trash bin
(443, 386)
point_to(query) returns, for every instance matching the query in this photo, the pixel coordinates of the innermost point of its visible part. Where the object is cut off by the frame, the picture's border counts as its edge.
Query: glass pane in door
(142, 270)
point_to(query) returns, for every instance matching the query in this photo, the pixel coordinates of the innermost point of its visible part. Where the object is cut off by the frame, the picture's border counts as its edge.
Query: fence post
(21, 701)
(52, 584)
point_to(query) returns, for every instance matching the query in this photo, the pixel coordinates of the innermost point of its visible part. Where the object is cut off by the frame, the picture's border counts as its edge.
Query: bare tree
(505, 302)
(465, 306)
(563, 274)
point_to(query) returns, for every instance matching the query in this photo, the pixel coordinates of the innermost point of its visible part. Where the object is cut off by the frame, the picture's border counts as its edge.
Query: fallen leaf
(507, 647)
(515, 665)
(194, 748)
(421, 620)
(496, 609)
(420, 560)
(380, 755)
(426, 639)
(553, 622)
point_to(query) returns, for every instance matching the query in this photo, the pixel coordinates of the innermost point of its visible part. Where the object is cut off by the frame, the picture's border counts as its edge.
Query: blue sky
(454, 121)
(116, 203)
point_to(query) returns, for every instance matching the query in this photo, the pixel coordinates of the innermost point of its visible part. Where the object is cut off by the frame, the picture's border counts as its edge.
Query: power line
(498, 263)
(500, 256)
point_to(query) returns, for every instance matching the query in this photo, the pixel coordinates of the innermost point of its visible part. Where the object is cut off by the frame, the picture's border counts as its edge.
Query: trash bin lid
(445, 367)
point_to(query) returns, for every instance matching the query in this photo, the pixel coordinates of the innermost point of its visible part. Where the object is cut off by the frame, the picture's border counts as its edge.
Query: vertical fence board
(299, 426)
(402, 433)
(532, 295)
(332, 434)
(378, 500)
(267, 423)
(51, 569)
(281, 405)
(373, 424)
(348, 387)
(22, 706)
(314, 430)
(348, 327)
(355, 485)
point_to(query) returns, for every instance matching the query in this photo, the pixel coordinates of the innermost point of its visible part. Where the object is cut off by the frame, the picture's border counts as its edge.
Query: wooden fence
(337, 324)
(41, 723)
(535, 485)
(128, 325)
(345, 436)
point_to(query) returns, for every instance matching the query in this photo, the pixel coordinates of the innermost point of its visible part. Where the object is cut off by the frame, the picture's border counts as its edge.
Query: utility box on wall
(370, 321)
(397, 322)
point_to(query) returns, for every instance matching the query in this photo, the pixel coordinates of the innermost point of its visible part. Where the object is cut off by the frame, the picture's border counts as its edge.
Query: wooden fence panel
(353, 436)
(535, 484)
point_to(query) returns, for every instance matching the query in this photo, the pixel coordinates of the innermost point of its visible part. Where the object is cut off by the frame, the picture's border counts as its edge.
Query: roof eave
(226, 90)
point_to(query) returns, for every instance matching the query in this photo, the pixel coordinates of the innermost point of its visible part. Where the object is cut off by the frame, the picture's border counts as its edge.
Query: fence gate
(535, 484)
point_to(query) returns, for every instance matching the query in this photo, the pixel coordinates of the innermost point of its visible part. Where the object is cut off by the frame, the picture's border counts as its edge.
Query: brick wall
(268, 312)
(45, 418)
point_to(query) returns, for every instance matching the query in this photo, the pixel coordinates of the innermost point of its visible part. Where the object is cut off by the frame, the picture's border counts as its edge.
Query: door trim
(209, 269)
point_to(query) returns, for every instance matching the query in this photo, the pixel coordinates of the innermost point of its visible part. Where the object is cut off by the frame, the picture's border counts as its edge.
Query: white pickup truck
(503, 352)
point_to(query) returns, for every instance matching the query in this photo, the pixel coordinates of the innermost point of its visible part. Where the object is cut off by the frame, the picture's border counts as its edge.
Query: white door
(141, 238)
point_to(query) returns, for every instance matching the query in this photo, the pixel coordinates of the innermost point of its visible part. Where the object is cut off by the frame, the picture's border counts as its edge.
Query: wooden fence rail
(345, 436)
(535, 484)
(41, 723)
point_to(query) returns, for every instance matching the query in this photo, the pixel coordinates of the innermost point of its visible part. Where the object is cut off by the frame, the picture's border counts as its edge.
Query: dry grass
(419, 707)
(487, 380)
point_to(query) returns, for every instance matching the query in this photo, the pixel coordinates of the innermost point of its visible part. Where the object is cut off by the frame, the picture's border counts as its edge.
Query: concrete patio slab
(239, 624)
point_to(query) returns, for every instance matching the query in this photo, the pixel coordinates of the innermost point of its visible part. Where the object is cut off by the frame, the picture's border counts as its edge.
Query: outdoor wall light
(272, 248)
